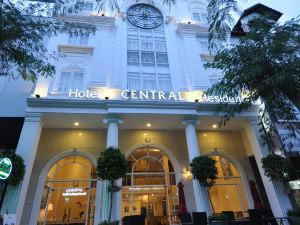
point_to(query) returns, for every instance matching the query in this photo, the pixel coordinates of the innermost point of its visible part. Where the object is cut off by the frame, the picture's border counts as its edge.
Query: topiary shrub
(111, 166)
(18, 167)
(204, 170)
(277, 168)
(18, 170)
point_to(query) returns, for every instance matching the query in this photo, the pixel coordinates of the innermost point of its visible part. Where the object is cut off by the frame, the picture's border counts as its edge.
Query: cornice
(196, 107)
(101, 21)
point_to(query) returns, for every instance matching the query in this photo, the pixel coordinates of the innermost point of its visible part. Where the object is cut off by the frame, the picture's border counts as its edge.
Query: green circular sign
(5, 168)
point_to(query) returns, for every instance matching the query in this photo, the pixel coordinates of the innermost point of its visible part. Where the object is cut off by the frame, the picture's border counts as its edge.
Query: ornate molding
(76, 49)
(106, 22)
(192, 29)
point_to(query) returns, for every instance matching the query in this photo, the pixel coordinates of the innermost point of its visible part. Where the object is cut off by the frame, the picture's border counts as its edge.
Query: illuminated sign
(5, 168)
(153, 95)
(74, 192)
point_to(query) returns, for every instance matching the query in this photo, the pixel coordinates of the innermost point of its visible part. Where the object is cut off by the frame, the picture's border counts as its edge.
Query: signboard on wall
(5, 168)
(128, 94)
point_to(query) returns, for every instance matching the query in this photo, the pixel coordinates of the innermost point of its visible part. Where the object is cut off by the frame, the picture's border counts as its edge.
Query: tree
(220, 19)
(266, 65)
(24, 26)
(204, 170)
(111, 166)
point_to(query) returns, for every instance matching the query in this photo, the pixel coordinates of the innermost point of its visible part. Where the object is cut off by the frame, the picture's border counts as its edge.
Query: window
(78, 38)
(204, 46)
(88, 6)
(200, 17)
(147, 59)
(70, 80)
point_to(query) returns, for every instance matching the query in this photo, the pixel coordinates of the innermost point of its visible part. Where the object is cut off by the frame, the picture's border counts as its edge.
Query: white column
(27, 147)
(112, 141)
(98, 202)
(201, 194)
(279, 201)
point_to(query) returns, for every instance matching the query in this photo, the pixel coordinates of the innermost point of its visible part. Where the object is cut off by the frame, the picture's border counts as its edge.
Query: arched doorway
(228, 193)
(149, 188)
(69, 193)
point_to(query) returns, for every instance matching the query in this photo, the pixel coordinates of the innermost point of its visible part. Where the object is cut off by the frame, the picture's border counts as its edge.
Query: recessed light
(80, 134)
(76, 123)
(148, 125)
(214, 126)
(204, 135)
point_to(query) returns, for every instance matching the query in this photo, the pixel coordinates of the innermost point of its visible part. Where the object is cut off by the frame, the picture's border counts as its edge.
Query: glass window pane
(162, 58)
(64, 82)
(196, 17)
(134, 81)
(133, 57)
(149, 83)
(148, 57)
(133, 44)
(77, 80)
(146, 44)
(165, 84)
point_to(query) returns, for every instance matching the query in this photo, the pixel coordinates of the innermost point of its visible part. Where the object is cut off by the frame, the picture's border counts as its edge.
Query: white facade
(118, 62)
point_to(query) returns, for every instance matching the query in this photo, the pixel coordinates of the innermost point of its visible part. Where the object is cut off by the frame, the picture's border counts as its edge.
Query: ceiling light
(204, 135)
(80, 134)
(76, 123)
(148, 125)
(214, 126)
(145, 134)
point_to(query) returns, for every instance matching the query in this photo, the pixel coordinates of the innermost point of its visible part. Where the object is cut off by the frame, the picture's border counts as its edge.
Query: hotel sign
(153, 95)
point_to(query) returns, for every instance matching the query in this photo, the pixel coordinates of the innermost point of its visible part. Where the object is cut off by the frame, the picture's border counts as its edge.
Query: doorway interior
(69, 193)
(149, 189)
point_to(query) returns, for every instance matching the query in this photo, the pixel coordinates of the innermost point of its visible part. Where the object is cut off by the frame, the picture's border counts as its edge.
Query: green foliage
(277, 168)
(265, 65)
(24, 27)
(293, 212)
(18, 167)
(112, 164)
(220, 19)
(18, 170)
(204, 170)
(109, 223)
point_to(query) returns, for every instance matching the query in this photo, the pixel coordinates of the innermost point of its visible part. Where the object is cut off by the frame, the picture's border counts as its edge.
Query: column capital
(190, 121)
(112, 119)
(33, 117)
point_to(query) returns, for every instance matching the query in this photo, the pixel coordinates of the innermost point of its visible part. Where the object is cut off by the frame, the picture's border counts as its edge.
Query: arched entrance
(69, 193)
(149, 188)
(228, 193)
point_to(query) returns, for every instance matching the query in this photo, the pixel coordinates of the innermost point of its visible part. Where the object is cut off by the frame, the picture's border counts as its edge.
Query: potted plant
(218, 219)
(111, 166)
(204, 170)
(277, 168)
(294, 216)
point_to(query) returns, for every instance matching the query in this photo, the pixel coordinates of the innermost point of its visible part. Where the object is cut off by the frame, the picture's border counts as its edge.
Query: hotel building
(136, 84)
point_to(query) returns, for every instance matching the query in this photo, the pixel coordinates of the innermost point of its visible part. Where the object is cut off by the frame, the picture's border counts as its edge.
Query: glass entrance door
(68, 203)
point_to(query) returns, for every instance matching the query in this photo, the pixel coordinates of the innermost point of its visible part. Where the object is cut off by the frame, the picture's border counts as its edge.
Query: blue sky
(289, 8)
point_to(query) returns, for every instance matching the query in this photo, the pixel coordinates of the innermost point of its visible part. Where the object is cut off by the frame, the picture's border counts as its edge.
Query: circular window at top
(144, 16)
